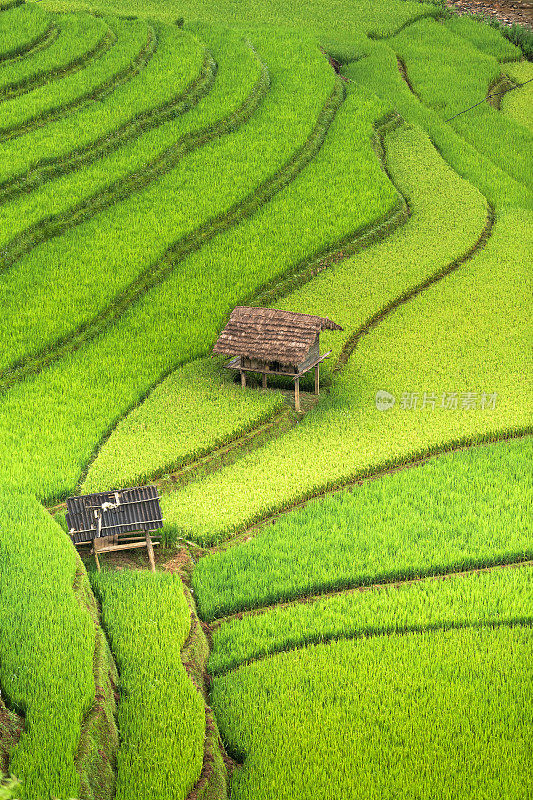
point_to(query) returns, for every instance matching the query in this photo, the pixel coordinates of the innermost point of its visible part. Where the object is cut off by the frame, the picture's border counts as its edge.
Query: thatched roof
(270, 334)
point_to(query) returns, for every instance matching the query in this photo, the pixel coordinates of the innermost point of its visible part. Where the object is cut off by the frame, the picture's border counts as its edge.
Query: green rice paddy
(160, 164)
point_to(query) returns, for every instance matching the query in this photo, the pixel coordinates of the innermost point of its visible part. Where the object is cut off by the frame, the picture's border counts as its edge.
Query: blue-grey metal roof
(121, 511)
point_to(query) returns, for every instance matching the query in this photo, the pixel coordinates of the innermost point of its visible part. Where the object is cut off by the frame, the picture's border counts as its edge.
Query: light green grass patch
(442, 225)
(487, 598)
(485, 38)
(195, 409)
(440, 714)
(518, 103)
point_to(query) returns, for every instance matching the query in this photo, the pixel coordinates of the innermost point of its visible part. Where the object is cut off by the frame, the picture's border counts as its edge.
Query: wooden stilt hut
(102, 519)
(274, 342)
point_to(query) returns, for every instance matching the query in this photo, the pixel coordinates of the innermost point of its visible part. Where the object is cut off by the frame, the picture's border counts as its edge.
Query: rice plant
(450, 75)
(33, 217)
(435, 714)
(518, 103)
(339, 21)
(128, 238)
(428, 348)
(379, 72)
(21, 28)
(501, 596)
(441, 227)
(59, 96)
(389, 715)
(191, 412)
(347, 435)
(400, 526)
(222, 273)
(161, 714)
(65, 140)
(485, 38)
(47, 643)
(79, 37)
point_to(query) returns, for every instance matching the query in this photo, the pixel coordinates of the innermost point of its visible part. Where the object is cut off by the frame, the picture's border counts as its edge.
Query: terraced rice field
(343, 598)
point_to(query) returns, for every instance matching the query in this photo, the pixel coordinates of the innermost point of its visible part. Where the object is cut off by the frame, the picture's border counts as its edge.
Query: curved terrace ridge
(193, 241)
(300, 275)
(136, 181)
(314, 597)
(23, 85)
(27, 48)
(141, 59)
(48, 169)
(385, 631)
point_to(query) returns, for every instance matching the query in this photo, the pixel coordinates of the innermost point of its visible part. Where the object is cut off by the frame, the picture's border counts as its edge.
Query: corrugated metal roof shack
(115, 520)
(274, 342)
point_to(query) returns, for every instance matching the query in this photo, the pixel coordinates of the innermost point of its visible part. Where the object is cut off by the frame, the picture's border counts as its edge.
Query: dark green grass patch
(161, 714)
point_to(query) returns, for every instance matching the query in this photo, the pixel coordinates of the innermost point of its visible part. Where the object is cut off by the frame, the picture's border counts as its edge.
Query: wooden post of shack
(274, 342)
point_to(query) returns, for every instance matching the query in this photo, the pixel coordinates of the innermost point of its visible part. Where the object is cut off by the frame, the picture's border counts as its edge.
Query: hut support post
(264, 380)
(317, 379)
(243, 379)
(98, 532)
(150, 551)
(297, 394)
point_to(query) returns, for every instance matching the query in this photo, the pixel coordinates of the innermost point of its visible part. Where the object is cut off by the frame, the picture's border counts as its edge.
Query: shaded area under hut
(274, 342)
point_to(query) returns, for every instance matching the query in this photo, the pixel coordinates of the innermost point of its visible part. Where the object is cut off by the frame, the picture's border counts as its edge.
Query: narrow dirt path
(403, 72)
(11, 729)
(506, 11)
